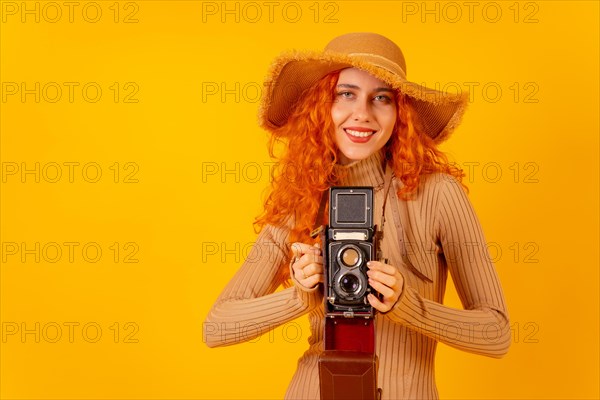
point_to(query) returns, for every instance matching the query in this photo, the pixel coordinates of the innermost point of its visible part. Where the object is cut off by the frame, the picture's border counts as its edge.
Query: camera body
(350, 242)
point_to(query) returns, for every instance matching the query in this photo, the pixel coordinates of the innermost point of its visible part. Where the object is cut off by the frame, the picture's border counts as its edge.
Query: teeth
(358, 133)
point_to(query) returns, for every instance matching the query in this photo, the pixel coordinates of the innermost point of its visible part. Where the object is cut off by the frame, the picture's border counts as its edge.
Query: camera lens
(349, 283)
(350, 257)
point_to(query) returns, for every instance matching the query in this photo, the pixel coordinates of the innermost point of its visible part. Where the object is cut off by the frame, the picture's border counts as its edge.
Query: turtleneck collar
(366, 172)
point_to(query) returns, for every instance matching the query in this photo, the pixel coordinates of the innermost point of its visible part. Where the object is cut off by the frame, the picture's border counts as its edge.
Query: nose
(361, 110)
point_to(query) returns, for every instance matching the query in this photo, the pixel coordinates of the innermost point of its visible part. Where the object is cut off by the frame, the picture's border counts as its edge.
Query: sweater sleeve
(250, 306)
(482, 327)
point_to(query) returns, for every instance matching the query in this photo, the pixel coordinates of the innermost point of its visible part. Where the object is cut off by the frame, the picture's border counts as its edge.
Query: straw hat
(292, 73)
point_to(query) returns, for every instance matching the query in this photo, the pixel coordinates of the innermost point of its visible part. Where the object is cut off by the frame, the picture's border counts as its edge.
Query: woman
(344, 116)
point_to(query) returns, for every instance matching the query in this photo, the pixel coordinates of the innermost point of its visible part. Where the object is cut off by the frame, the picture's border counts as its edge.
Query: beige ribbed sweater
(435, 233)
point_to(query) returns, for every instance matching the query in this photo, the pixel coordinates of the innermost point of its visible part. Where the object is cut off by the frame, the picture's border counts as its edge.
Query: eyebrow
(351, 86)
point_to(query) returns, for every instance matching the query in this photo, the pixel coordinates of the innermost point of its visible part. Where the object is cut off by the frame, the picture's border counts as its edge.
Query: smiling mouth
(359, 134)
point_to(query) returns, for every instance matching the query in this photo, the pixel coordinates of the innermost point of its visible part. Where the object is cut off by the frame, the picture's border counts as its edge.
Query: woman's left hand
(388, 281)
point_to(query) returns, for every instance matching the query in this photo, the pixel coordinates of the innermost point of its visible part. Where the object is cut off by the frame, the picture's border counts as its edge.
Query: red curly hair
(306, 167)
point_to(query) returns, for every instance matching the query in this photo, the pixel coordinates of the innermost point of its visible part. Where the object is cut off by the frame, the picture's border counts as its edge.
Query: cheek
(390, 121)
(338, 113)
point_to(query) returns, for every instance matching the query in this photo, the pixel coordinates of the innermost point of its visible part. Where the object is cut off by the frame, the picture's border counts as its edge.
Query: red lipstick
(358, 134)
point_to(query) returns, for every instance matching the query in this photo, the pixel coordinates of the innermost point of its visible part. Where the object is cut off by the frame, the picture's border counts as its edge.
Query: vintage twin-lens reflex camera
(348, 364)
(350, 241)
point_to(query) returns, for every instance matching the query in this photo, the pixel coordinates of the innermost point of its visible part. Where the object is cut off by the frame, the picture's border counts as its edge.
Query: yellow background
(193, 166)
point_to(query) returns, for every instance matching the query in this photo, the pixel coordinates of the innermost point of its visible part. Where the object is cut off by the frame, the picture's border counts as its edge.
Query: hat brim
(292, 73)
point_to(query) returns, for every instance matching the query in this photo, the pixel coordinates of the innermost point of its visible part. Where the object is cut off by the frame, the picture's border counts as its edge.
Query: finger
(312, 269)
(379, 266)
(312, 259)
(376, 304)
(388, 280)
(299, 273)
(311, 281)
(303, 268)
(318, 267)
(303, 248)
(386, 291)
(302, 276)
(308, 259)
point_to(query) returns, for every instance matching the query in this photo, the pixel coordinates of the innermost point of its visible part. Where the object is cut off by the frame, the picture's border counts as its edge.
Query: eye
(383, 98)
(345, 94)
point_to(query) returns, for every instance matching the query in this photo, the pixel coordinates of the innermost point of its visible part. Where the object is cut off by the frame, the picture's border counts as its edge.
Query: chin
(353, 157)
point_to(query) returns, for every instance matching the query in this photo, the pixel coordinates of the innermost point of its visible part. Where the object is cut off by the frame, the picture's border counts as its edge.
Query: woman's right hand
(307, 266)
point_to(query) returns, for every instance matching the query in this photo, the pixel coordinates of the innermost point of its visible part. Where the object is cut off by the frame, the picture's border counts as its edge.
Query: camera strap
(319, 224)
(386, 191)
(388, 172)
